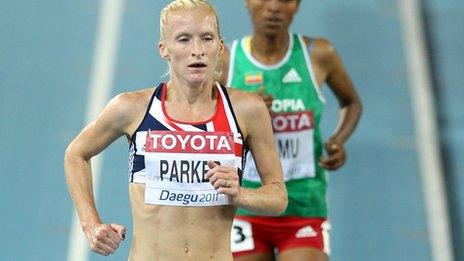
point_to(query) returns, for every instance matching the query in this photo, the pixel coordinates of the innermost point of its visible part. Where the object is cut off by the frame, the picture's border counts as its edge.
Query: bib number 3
(241, 236)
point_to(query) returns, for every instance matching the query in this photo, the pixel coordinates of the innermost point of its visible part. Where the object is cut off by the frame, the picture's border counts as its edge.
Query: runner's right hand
(104, 239)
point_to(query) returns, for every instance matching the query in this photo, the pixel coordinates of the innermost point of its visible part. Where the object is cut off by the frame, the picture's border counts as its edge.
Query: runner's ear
(163, 51)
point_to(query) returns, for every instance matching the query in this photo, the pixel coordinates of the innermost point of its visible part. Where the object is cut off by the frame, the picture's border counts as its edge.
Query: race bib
(241, 236)
(293, 133)
(180, 164)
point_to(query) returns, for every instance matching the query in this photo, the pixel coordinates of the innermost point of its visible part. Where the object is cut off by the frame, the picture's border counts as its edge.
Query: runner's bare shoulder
(127, 108)
(248, 107)
(321, 49)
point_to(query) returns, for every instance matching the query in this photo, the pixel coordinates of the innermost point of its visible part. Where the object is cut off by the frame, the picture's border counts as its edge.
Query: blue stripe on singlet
(201, 127)
(151, 123)
(138, 162)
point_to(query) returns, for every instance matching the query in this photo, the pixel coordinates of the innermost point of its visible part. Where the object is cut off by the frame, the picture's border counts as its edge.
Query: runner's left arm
(255, 122)
(350, 107)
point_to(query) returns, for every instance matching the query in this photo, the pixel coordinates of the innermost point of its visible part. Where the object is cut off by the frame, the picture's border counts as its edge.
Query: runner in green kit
(286, 70)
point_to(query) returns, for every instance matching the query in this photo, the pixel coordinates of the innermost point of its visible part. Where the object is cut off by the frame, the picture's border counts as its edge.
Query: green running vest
(296, 114)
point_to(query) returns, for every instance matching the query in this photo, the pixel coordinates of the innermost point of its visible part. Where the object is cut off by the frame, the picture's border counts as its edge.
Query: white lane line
(100, 86)
(426, 131)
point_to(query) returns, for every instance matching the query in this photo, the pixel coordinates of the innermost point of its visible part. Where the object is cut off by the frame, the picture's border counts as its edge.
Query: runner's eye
(207, 38)
(183, 39)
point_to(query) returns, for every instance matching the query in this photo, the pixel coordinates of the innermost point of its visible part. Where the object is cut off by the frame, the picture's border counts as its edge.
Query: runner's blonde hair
(184, 5)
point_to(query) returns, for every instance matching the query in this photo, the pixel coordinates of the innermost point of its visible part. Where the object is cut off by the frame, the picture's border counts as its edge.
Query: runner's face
(272, 17)
(192, 44)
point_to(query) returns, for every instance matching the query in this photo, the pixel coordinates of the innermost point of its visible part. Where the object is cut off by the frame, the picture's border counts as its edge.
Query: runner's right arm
(94, 138)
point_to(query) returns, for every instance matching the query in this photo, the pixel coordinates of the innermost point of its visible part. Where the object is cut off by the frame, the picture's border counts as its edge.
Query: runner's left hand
(336, 155)
(224, 179)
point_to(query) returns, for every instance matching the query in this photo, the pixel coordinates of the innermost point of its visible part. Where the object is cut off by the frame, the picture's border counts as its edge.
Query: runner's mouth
(274, 20)
(197, 65)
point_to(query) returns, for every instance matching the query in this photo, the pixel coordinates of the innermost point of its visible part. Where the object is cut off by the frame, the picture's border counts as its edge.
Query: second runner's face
(272, 16)
(192, 44)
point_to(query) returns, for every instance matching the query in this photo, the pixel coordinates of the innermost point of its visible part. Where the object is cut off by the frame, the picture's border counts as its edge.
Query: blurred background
(60, 61)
